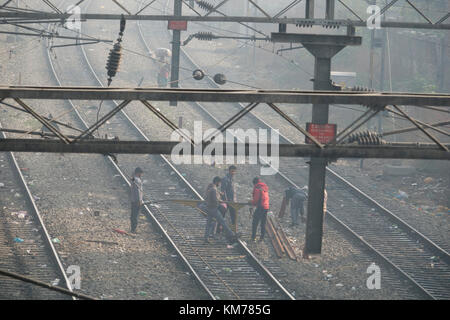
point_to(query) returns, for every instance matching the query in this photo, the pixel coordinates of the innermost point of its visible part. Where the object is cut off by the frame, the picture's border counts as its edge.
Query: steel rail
(37, 215)
(44, 285)
(360, 194)
(255, 262)
(357, 237)
(180, 176)
(364, 196)
(429, 243)
(413, 231)
(289, 181)
(152, 216)
(149, 213)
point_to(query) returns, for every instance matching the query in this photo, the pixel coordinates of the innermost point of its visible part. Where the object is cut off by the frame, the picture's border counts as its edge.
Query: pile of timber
(279, 240)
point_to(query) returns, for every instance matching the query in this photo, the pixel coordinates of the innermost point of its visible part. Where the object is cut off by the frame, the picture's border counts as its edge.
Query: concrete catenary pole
(322, 51)
(175, 66)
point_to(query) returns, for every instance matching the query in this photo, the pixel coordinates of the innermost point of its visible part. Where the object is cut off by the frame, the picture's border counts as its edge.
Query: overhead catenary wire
(207, 26)
(31, 9)
(211, 269)
(237, 40)
(290, 61)
(207, 6)
(145, 55)
(228, 80)
(20, 47)
(349, 108)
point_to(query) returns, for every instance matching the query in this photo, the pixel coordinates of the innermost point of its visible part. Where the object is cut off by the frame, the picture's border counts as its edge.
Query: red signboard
(177, 25)
(324, 133)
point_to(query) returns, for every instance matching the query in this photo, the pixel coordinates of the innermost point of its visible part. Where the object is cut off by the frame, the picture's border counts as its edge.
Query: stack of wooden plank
(279, 240)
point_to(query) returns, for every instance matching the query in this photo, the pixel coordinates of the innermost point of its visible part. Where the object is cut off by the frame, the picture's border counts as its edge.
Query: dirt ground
(82, 201)
(339, 273)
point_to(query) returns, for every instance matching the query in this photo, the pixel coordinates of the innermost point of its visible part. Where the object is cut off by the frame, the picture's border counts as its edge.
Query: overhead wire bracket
(236, 117)
(295, 125)
(429, 135)
(42, 120)
(166, 120)
(102, 121)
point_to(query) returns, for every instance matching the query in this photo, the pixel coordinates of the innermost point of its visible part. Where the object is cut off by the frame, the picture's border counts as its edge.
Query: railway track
(415, 257)
(223, 272)
(25, 245)
(401, 211)
(296, 180)
(401, 248)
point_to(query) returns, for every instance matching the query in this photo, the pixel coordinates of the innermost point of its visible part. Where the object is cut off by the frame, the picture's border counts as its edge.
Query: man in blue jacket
(297, 197)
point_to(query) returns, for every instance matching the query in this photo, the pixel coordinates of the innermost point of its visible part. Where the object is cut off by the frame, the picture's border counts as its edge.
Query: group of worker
(218, 196)
(223, 189)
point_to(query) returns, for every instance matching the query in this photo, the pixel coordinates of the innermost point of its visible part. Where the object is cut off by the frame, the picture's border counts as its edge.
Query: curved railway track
(224, 273)
(417, 258)
(36, 256)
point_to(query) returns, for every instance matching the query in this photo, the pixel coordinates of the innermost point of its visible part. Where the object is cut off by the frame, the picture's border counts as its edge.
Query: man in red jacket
(261, 202)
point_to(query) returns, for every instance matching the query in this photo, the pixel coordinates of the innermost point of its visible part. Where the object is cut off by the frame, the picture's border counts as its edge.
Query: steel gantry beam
(432, 125)
(323, 48)
(215, 95)
(103, 146)
(43, 121)
(414, 121)
(438, 25)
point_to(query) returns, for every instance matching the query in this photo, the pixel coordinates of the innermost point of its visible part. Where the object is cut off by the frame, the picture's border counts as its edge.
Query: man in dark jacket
(297, 197)
(137, 196)
(212, 199)
(229, 194)
(261, 202)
